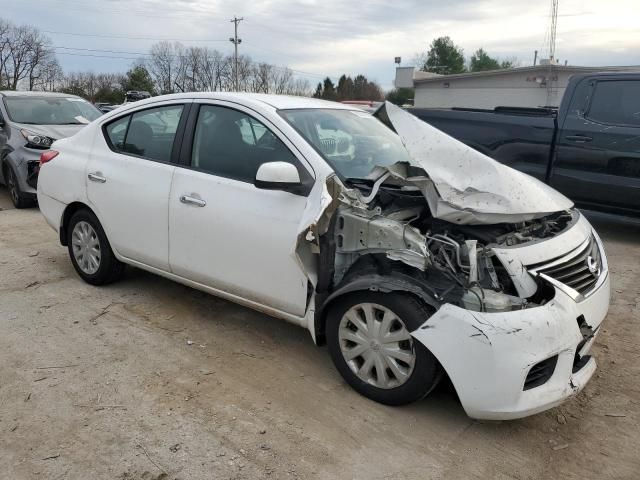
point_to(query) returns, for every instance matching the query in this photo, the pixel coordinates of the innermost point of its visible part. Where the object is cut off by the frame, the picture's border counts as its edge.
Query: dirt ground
(104, 383)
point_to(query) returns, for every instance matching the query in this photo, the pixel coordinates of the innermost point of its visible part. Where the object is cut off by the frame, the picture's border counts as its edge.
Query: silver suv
(29, 123)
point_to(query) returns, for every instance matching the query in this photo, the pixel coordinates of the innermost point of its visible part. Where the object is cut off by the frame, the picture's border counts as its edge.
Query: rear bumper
(488, 356)
(52, 210)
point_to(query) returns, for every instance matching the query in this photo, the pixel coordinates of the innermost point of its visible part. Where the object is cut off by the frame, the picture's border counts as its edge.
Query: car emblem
(593, 265)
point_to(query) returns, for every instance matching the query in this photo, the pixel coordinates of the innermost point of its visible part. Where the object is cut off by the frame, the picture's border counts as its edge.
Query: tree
(138, 78)
(328, 90)
(345, 89)
(508, 63)
(25, 54)
(401, 96)
(443, 57)
(481, 61)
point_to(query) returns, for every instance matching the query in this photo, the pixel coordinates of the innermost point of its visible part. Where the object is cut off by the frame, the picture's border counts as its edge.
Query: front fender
(393, 282)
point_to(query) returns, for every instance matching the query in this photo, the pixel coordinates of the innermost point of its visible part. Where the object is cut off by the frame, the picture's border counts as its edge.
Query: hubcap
(86, 247)
(376, 345)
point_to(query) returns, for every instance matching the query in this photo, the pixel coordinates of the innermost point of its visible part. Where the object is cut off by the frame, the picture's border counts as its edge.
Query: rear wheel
(19, 199)
(368, 335)
(89, 249)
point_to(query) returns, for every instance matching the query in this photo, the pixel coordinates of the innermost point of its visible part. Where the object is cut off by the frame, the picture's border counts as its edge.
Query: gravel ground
(148, 379)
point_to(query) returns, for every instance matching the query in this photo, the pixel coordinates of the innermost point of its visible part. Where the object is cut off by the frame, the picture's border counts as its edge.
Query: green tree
(443, 57)
(328, 90)
(401, 96)
(345, 88)
(508, 64)
(318, 92)
(481, 61)
(138, 78)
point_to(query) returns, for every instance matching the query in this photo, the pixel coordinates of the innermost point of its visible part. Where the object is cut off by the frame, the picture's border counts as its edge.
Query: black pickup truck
(588, 148)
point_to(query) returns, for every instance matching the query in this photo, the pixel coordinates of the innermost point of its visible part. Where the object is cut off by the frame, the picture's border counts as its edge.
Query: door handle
(94, 177)
(198, 202)
(578, 138)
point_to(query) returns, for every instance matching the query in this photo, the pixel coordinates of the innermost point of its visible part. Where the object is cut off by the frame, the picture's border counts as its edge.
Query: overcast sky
(329, 37)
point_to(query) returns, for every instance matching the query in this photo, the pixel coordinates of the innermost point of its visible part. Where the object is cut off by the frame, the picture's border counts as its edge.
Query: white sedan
(411, 255)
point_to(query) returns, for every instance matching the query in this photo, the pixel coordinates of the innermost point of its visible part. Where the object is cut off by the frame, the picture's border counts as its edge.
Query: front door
(597, 160)
(225, 232)
(128, 182)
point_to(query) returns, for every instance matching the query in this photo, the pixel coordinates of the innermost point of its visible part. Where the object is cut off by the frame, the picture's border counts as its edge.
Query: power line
(99, 50)
(127, 37)
(95, 56)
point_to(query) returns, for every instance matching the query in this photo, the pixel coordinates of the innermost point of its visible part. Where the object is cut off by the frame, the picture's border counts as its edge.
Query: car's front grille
(579, 269)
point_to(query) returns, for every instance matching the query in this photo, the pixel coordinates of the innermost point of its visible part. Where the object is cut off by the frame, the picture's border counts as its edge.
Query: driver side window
(229, 143)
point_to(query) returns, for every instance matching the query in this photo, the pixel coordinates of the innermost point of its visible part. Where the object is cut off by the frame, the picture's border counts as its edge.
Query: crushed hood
(462, 185)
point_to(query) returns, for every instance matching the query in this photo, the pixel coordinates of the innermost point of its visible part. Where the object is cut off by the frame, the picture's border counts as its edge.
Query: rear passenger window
(148, 133)
(616, 102)
(116, 132)
(231, 144)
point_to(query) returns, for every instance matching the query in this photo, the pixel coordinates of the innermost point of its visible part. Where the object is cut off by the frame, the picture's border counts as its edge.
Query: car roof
(24, 93)
(278, 102)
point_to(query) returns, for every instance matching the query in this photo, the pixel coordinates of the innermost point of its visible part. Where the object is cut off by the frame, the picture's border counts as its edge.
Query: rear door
(597, 160)
(129, 178)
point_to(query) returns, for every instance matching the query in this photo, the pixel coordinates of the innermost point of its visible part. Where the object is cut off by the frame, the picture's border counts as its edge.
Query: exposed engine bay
(382, 227)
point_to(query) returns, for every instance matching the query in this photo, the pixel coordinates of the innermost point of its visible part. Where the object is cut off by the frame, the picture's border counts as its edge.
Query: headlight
(35, 140)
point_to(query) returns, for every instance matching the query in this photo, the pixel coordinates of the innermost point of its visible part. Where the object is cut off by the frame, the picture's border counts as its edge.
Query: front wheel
(19, 199)
(90, 251)
(368, 335)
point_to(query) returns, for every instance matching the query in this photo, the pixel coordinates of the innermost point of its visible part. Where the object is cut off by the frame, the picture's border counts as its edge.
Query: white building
(536, 86)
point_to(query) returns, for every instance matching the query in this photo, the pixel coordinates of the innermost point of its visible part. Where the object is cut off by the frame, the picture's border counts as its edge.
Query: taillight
(48, 156)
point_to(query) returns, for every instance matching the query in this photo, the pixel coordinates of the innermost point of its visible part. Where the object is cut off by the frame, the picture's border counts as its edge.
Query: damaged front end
(384, 228)
(492, 251)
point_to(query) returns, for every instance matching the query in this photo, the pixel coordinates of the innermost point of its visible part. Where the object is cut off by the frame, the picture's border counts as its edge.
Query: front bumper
(26, 164)
(489, 355)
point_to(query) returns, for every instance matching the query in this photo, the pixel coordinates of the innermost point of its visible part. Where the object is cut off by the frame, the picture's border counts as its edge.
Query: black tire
(413, 313)
(18, 198)
(110, 268)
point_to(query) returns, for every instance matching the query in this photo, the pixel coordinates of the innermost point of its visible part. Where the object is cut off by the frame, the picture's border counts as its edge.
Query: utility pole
(235, 40)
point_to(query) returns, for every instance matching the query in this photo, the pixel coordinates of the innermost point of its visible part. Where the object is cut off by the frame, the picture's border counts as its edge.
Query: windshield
(50, 110)
(352, 142)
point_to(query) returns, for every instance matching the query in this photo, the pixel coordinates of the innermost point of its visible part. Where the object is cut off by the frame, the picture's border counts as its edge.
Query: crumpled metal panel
(463, 185)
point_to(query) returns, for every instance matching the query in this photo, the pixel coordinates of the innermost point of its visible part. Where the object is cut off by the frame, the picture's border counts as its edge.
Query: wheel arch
(66, 216)
(374, 282)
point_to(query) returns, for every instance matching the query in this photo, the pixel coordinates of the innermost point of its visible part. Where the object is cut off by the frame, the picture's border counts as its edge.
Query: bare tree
(163, 65)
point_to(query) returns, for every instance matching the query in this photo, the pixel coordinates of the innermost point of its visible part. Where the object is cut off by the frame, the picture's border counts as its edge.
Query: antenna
(552, 31)
(552, 78)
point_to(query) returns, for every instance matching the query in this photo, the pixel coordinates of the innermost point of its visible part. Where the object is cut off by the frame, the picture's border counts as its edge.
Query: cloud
(329, 37)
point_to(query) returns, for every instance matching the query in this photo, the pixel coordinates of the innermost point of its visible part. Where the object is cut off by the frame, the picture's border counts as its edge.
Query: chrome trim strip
(574, 253)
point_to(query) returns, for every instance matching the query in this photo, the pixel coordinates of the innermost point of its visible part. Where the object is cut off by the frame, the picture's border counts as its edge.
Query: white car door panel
(242, 241)
(132, 204)
(226, 233)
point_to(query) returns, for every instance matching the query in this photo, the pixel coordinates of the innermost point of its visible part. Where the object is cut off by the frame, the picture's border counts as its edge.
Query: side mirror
(278, 176)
